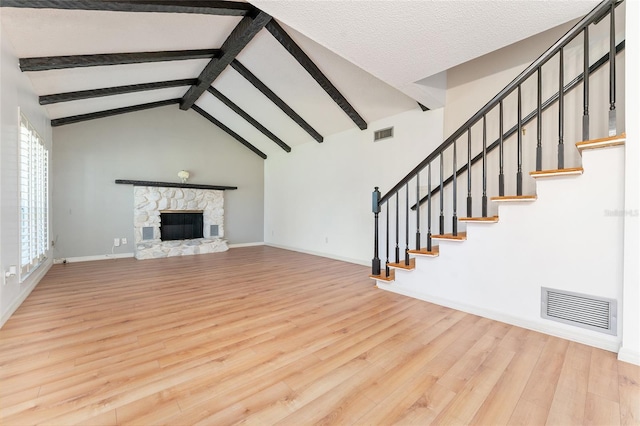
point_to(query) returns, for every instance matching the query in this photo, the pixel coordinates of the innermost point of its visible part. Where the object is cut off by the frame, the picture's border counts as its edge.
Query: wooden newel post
(375, 207)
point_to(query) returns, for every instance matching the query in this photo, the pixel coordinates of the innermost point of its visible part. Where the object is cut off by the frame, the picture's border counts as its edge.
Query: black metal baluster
(561, 112)
(469, 199)
(484, 166)
(585, 87)
(441, 195)
(519, 173)
(397, 228)
(501, 147)
(429, 246)
(612, 71)
(454, 223)
(406, 250)
(539, 130)
(418, 211)
(375, 206)
(386, 267)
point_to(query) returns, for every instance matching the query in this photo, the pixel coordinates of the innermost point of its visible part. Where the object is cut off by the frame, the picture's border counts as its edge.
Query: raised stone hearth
(158, 249)
(149, 201)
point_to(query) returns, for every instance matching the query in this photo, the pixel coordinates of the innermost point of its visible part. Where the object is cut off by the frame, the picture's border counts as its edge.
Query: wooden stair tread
(514, 198)
(460, 237)
(435, 251)
(574, 171)
(382, 277)
(489, 219)
(602, 142)
(401, 265)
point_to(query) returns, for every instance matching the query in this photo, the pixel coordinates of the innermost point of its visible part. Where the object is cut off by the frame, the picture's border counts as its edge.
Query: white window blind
(34, 208)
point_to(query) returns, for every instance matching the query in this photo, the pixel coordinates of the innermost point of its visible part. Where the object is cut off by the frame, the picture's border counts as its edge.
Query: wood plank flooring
(263, 336)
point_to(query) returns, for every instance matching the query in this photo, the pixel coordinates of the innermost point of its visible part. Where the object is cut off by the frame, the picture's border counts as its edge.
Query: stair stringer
(570, 238)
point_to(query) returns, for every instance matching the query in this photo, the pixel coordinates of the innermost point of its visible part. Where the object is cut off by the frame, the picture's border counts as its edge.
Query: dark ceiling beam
(241, 35)
(287, 42)
(78, 61)
(108, 113)
(110, 91)
(230, 132)
(206, 7)
(247, 117)
(251, 78)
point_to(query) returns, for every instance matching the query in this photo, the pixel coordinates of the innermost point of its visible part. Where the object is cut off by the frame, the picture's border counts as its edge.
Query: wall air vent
(381, 134)
(147, 233)
(581, 310)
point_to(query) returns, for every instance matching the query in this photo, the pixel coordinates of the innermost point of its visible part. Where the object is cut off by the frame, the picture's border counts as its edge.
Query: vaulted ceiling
(291, 72)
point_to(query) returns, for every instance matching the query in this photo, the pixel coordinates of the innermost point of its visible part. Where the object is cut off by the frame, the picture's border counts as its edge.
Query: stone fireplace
(150, 201)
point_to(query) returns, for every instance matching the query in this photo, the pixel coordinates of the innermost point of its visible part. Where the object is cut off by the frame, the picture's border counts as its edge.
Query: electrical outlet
(116, 242)
(11, 272)
(123, 240)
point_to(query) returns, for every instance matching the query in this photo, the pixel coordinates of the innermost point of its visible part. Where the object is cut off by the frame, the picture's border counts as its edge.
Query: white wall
(16, 93)
(630, 350)
(568, 243)
(318, 197)
(90, 210)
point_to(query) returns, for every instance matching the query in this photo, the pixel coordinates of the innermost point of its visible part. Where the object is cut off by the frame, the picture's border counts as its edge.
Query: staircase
(559, 228)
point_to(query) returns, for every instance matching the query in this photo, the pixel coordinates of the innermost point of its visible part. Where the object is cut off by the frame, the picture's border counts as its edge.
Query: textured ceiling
(373, 52)
(51, 32)
(402, 42)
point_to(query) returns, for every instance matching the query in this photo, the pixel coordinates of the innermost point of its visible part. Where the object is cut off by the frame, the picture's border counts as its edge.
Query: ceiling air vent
(379, 135)
(581, 310)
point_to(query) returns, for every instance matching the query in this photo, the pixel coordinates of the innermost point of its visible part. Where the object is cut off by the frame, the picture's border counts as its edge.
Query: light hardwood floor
(265, 336)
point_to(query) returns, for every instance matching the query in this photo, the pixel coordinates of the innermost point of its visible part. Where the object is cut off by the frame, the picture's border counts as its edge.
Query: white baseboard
(578, 337)
(316, 253)
(629, 355)
(30, 283)
(261, 243)
(126, 255)
(90, 258)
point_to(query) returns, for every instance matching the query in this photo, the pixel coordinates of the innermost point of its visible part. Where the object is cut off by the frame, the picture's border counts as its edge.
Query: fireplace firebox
(181, 225)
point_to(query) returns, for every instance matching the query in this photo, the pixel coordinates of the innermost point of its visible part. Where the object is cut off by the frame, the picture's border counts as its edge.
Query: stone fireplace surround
(150, 200)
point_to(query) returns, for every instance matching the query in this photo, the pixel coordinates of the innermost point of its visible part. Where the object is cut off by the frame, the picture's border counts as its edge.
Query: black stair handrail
(528, 118)
(595, 15)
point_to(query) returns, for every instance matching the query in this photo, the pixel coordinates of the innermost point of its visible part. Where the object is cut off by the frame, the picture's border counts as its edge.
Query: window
(34, 205)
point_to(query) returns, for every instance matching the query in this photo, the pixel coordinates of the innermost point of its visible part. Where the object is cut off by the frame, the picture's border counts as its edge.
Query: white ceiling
(398, 43)
(404, 41)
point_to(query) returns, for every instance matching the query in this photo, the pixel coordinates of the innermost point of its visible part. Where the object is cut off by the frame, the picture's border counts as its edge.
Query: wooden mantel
(173, 184)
